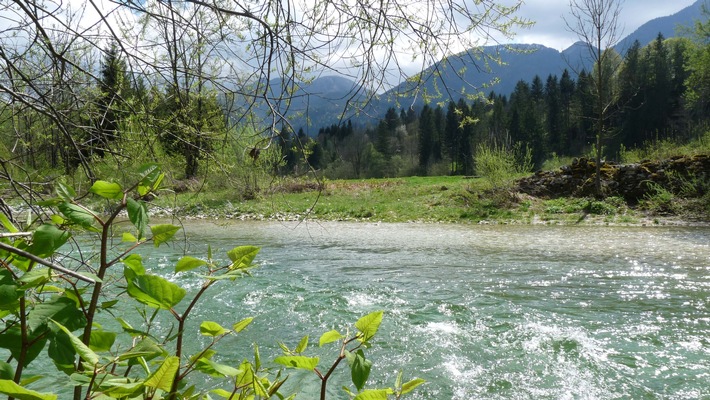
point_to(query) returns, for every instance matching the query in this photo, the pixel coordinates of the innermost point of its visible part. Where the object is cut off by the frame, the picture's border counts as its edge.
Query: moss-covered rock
(687, 175)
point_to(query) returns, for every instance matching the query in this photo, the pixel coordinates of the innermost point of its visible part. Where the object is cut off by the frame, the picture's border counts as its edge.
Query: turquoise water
(480, 312)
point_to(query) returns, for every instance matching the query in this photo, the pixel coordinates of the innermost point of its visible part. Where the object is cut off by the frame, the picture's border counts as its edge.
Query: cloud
(550, 28)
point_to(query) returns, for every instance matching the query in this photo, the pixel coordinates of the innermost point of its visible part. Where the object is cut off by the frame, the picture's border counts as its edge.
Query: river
(479, 312)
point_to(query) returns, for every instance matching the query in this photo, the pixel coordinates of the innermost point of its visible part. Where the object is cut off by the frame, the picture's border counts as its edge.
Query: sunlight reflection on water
(481, 312)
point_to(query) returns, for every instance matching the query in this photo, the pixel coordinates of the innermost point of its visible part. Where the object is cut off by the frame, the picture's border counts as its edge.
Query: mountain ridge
(461, 77)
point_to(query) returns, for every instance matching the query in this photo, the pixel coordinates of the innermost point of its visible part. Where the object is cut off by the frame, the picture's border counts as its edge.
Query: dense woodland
(657, 93)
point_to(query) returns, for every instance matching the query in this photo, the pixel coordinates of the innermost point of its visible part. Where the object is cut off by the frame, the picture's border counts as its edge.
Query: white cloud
(550, 29)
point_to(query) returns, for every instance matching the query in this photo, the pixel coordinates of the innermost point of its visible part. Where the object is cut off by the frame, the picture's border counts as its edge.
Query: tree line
(658, 92)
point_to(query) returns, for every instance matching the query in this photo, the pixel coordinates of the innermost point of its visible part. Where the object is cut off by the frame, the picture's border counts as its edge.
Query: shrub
(499, 166)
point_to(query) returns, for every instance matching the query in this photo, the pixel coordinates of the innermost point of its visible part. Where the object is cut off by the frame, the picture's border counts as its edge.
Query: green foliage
(130, 362)
(659, 200)
(666, 149)
(500, 166)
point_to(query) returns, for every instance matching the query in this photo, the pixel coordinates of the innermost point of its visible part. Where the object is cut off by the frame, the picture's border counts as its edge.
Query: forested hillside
(659, 93)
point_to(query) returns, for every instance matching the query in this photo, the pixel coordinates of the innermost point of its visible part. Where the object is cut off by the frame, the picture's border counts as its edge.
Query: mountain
(667, 26)
(321, 102)
(466, 73)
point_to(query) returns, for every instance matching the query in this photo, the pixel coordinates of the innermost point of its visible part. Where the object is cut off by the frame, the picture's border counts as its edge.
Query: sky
(550, 29)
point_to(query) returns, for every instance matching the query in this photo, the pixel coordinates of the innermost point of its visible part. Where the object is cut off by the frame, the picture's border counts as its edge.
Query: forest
(96, 110)
(656, 96)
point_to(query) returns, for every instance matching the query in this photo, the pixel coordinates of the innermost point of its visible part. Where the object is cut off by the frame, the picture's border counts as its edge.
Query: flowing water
(479, 312)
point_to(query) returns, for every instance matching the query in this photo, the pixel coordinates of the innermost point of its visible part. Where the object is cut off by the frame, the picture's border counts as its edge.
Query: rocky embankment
(684, 175)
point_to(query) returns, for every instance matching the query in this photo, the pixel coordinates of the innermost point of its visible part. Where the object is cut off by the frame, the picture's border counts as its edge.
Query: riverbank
(447, 199)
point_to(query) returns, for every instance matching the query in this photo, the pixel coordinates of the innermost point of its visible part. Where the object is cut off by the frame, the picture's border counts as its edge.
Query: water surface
(480, 312)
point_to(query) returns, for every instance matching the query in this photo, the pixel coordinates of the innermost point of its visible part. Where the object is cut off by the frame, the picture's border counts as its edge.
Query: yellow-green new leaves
(329, 337)
(242, 256)
(187, 263)
(7, 224)
(163, 233)
(164, 376)
(299, 362)
(374, 394)
(411, 385)
(209, 328)
(369, 324)
(241, 325)
(12, 389)
(151, 290)
(302, 345)
(107, 190)
(151, 177)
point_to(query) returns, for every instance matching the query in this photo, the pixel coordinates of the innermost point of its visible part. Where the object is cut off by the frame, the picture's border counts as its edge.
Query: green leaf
(65, 192)
(215, 369)
(62, 310)
(302, 345)
(108, 304)
(411, 385)
(222, 393)
(187, 263)
(135, 263)
(62, 352)
(121, 388)
(241, 325)
(129, 329)
(6, 370)
(151, 177)
(35, 278)
(359, 368)
(299, 362)
(257, 357)
(146, 348)
(12, 389)
(164, 376)
(58, 219)
(77, 215)
(46, 239)
(138, 215)
(209, 328)
(128, 237)
(11, 339)
(101, 340)
(10, 292)
(374, 394)
(329, 337)
(107, 190)
(369, 324)
(9, 226)
(242, 256)
(207, 354)
(246, 374)
(153, 290)
(163, 233)
(84, 351)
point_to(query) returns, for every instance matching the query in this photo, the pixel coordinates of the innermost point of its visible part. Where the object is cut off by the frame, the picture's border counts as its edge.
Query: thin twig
(44, 262)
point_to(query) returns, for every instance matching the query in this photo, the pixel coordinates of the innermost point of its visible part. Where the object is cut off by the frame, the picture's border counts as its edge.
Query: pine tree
(426, 137)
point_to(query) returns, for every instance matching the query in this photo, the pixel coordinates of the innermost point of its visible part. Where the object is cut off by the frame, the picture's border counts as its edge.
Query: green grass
(426, 199)
(416, 199)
